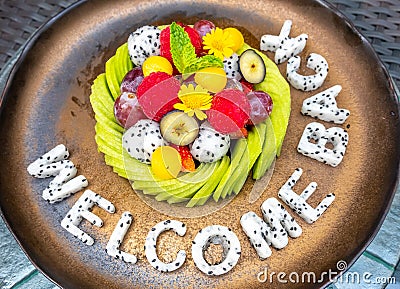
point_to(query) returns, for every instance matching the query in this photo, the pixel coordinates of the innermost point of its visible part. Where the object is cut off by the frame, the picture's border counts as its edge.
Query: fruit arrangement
(187, 112)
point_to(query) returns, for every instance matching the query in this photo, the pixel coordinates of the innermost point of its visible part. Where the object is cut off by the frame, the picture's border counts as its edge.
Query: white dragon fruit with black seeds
(117, 236)
(298, 203)
(141, 140)
(210, 145)
(273, 209)
(324, 107)
(283, 45)
(132, 140)
(55, 193)
(152, 139)
(315, 138)
(218, 235)
(231, 67)
(67, 172)
(151, 241)
(315, 62)
(82, 210)
(41, 168)
(257, 231)
(49, 170)
(144, 42)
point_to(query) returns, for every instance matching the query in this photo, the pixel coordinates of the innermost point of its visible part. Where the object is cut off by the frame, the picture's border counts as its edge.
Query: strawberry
(195, 39)
(165, 40)
(157, 94)
(230, 110)
(244, 132)
(186, 157)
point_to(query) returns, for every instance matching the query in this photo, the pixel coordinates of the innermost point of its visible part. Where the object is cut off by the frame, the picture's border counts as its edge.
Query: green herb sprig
(184, 55)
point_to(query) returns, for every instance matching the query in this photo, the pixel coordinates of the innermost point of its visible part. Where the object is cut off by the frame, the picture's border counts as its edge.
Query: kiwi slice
(252, 66)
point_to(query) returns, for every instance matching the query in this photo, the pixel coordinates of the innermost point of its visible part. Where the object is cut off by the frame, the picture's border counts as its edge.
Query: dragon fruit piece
(81, 210)
(273, 42)
(283, 45)
(257, 231)
(324, 107)
(150, 246)
(210, 145)
(133, 140)
(152, 139)
(218, 235)
(273, 230)
(66, 172)
(231, 67)
(53, 194)
(144, 42)
(299, 202)
(54, 164)
(142, 29)
(117, 236)
(290, 48)
(48, 170)
(315, 62)
(273, 209)
(56, 154)
(336, 136)
(141, 140)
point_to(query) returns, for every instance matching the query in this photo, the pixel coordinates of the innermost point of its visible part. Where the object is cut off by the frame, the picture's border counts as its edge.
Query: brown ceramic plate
(47, 102)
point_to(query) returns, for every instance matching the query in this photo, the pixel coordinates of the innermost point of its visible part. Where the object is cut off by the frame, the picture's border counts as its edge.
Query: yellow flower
(219, 43)
(194, 100)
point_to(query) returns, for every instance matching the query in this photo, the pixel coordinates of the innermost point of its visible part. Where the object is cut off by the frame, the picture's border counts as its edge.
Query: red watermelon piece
(159, 98)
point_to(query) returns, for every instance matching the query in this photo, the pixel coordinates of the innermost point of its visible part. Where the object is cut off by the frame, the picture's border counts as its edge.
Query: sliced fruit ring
(252, 66)
(179, 128)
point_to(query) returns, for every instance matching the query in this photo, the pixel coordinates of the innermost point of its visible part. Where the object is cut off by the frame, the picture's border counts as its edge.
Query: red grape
(203, 27)
(260, 104)
(132, 80)
(127, 110)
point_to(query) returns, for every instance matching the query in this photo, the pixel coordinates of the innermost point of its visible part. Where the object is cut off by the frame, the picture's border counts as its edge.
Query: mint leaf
(182, 50)
(184, 54)
(203, 62)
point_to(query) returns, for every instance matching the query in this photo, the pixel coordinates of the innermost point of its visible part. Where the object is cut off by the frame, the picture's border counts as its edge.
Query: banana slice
(179, 128)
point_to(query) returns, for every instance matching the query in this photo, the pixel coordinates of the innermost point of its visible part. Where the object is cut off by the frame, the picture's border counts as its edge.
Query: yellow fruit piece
(211, 78)
(236, 37)
(166, 162)
(156, 64)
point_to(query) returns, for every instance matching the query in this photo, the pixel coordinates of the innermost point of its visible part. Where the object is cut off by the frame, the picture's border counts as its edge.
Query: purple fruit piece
(132, 80)
(203, 27)
(127, 110)
(260, 104)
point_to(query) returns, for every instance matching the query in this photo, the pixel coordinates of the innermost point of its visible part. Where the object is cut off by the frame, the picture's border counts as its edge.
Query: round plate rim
(33, 39)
